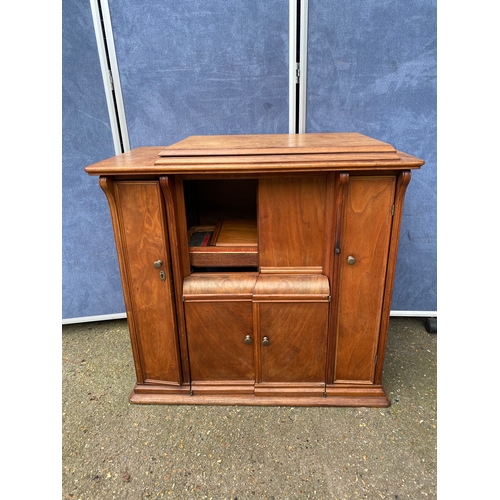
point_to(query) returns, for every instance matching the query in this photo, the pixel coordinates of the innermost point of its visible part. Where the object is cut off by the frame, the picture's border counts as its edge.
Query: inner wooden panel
(362, 284)
(236, 232)
(291, 222)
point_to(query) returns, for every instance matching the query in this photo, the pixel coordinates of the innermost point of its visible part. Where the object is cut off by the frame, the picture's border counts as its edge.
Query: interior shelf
(221, 216)
(230, 243)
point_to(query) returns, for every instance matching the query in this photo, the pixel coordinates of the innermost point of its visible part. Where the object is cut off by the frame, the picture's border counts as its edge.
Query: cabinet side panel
(366, 234)
(145, 241)
(292, 221)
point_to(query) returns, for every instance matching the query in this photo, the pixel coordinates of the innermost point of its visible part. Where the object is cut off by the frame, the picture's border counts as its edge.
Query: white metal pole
(116, 74)
(292, 92)
(304, 14)
(111, 81)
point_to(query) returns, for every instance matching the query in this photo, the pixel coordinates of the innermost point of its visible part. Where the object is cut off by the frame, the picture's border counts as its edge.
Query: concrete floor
(112, 449)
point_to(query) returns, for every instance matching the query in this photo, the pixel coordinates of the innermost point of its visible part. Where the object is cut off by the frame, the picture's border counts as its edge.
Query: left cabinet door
(219, 323)
(140, 227)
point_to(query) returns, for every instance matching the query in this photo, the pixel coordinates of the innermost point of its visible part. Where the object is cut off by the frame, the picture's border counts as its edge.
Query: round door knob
(351, 260)
(265, 341)
(157, 264)
(248, 339)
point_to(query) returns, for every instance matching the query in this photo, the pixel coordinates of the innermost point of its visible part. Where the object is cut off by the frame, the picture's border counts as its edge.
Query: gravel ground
(113, 449)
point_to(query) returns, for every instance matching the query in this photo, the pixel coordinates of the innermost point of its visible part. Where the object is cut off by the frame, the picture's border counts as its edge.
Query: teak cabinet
(258, 269)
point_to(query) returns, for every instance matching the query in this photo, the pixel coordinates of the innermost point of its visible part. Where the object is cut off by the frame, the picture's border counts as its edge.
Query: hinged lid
(260, 154)
(278, 144)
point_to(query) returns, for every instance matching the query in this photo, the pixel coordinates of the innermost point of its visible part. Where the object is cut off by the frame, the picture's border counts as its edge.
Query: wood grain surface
(305, 327)
(143, 224)
(231, 285)
(297, 336)
(216, 335)
(291, 221)
(202, 155)
(365, 236)
(237, 232)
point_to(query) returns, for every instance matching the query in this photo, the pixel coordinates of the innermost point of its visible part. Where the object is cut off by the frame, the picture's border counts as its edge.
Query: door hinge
(172, 286)
(376, 359)
(392, 210)
(297, 72)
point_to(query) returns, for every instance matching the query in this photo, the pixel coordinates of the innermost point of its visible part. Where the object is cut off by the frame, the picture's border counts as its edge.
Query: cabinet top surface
(267, 153)
(228, 145)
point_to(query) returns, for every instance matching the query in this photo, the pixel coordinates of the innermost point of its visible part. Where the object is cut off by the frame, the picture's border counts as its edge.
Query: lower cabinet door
(219, 319)
(220, 340)
(292, 339)
(291, 320)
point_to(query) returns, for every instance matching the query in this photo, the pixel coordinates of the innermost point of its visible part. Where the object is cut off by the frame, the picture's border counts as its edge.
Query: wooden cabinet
(258, 269)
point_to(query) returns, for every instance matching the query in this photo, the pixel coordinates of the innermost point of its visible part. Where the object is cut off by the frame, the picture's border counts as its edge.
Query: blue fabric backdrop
(196, 67)
(372, 69)
(186, 68)
(91, 283)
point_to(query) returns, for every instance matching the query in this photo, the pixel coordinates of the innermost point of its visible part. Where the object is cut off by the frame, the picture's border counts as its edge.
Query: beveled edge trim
(291, 270)
(289, 151)
(361, 391)
(299, 388)
(250, 249)
(206, 297)
(229, 387)
(278, 158)
(292, 297)
(155, 388)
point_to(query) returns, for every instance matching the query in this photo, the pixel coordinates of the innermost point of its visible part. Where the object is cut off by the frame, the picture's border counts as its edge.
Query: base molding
(368, 391)
(160, 389)
(287, 390)
(343, 396)
(230, 388)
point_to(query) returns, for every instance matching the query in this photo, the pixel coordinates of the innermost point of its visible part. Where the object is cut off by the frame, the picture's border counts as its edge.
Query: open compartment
(222, 223)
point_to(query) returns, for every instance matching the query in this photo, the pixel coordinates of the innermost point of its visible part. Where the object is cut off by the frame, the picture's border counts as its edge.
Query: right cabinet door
(296, 333)
(366, 231)
(291, 324)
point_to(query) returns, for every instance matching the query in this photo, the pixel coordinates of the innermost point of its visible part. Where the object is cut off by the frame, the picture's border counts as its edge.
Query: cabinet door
(220, 339)
(148, 288)
(363, 268)
(295, 334)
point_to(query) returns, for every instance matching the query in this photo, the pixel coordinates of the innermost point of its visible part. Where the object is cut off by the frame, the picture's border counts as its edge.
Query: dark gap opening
(297, 59)
(247, 269)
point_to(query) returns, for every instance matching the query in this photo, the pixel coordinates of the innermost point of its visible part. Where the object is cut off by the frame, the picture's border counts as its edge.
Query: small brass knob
(265, 341)
(157, 264)
(248, 339)
(351, 260)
